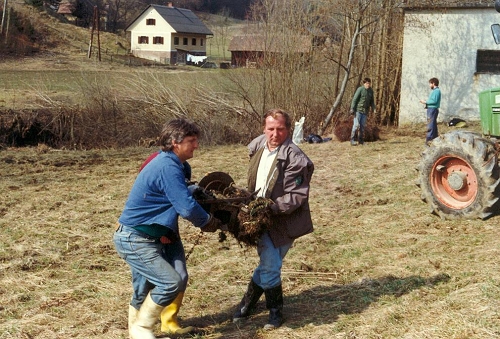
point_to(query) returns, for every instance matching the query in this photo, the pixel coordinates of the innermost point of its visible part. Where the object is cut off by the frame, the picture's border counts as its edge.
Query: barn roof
(261, 43)
(441, 4)
(65, 8)
(182, 20)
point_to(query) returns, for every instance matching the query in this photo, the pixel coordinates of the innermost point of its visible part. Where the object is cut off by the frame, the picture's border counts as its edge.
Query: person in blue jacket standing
(432, 105)
(147, 236)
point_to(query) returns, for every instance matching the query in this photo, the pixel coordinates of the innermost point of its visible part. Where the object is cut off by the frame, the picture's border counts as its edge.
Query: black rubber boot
(274, 303)
(249, 301)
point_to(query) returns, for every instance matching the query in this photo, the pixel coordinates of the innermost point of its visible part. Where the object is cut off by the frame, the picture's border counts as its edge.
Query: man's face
(431, 85)
(367, 85)
(275, 131)
(185, 149)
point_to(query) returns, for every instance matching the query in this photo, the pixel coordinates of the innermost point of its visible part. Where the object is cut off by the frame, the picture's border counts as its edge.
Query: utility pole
(3, 15)
(95, 25)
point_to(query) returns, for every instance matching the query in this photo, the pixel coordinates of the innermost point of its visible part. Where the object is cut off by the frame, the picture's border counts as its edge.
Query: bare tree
(347, 40)
(221, 32)
(363, 20)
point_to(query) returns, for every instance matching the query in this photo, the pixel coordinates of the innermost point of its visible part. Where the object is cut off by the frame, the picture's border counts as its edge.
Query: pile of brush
(253, 220)
(246, 217)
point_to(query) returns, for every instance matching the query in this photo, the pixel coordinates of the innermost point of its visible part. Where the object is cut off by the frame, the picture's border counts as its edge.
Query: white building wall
(161, 28)
(444, 45)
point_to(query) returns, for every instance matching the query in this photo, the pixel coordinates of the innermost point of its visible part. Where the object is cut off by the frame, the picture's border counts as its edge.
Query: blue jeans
(432, 128)
(359, 124)
(158, 269)
(268, 274)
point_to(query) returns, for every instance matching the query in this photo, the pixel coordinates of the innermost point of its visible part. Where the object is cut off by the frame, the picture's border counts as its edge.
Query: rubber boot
(252, 295)
(274, 303)
(142, 327)
(132, 315)
(169, 323)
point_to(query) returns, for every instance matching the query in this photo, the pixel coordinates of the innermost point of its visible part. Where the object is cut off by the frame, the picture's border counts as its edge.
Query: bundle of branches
(246, 218)
(253, 220)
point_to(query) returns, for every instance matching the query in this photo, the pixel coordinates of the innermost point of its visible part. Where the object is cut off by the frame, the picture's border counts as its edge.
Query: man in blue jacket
(361, 103)
(432, 104)
(147, 236)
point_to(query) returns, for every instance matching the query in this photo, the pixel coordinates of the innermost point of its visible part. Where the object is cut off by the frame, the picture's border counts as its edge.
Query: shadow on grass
(318, 305)
(323, 304)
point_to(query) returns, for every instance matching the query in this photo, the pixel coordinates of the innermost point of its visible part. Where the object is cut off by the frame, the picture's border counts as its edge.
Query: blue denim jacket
(160, 195)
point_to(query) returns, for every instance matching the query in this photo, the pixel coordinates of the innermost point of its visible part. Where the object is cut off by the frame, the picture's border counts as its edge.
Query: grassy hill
(45, 34)
(38, 32)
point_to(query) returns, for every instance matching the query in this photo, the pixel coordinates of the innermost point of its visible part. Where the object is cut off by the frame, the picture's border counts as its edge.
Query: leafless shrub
(215, 110)
(99, 119)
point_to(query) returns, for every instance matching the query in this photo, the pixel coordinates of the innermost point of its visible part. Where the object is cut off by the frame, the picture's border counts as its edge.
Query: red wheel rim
(451, 197)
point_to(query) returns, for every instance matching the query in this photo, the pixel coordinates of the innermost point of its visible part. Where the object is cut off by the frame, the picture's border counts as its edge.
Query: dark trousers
(432, 128)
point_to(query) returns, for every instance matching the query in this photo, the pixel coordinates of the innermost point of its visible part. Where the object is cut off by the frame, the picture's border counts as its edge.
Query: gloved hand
(260, 205)
(213, 225)
(352, 111)
(193, 188)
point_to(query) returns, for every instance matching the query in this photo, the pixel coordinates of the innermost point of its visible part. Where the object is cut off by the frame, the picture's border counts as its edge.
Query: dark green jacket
(363, 99)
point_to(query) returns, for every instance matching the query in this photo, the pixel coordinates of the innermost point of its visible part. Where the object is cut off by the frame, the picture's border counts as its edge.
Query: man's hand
(213, 225)
(352, 111)
(260, 204)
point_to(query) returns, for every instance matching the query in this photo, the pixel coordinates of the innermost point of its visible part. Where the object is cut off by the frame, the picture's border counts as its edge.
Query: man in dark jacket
(361, 103)
(282, 173)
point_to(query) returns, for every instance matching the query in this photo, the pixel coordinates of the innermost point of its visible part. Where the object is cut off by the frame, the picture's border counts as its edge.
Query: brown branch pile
(253, 221)
(343, 131)
(247, 218)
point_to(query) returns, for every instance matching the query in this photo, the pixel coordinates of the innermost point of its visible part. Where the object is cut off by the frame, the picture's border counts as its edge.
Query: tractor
(459, 173)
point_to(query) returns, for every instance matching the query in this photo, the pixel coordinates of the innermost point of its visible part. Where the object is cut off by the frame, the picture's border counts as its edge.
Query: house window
(193, 42)
(185, 41)
(201, 42)
(144, 40)
(158, 40)
(488, 61)
(150, 22)
(176, 40)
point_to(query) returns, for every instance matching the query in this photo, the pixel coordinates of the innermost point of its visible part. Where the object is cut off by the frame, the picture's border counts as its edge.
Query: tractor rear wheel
(459, 176)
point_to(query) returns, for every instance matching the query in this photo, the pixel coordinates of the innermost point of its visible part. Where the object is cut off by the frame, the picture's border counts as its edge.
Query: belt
(164, 239)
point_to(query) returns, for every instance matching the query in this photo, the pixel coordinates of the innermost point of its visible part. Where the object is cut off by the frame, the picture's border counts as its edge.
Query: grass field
(377, 266)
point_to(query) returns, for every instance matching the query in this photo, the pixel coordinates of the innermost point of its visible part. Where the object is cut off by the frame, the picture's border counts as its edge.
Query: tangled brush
(253, 220)
(246, 217)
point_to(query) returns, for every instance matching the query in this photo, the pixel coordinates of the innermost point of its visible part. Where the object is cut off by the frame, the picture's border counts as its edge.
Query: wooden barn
(251, 50)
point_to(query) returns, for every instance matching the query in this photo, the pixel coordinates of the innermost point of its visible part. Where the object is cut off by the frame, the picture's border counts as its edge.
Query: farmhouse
(250, 50)
(168, 35)
(452, 42)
